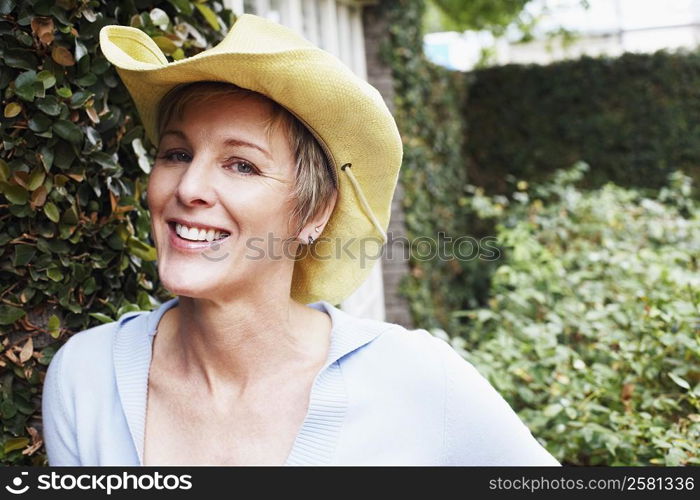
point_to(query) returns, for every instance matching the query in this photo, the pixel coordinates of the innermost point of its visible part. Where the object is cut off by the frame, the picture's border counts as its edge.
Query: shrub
(74, 231)
(592, 330)
(633, 118)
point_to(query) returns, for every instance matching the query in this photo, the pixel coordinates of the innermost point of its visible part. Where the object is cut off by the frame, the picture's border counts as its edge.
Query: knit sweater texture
(385, 396)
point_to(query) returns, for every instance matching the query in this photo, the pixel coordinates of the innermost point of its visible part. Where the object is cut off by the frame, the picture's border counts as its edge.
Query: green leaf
(46, 157)
(143, 300)
(54, 274)
(24, 38)
(47, 79)
(103, 159)
(15, 194)
(39, 122)
(102, 317)
(184, 6)
(679, 380)
(70, 216)
(64, 92)
(552, 410)
(87, 81)
(20, 58)
(23, 254)
(54, 326)
(24, 85)
(90, 286)
(49, 105)
(4, 170)
(10, 314)
(6, 6)
(69, 131)
(208, 15)
(8, 409)
(63, 155)
(16, 443)
(141, 249)
(80, 98)
(52, 212)
(47, 354)
(36, 179)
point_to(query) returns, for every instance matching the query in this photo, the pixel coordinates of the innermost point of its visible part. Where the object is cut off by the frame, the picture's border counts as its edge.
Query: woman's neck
(242, 343)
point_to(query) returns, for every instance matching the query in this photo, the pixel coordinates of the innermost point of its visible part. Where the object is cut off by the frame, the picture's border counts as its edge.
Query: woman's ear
(313, 229)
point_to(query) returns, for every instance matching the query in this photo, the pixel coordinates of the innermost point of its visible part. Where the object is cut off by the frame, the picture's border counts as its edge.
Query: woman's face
(217, 175)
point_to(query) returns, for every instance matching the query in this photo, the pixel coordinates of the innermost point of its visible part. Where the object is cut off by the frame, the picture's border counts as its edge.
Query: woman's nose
(196, 184)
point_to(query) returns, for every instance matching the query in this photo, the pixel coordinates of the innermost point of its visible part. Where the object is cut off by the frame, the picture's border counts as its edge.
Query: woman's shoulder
(96, 346)
(408, 345)
(87, 355)
(384, 335)
(400, 351)
(415, 369)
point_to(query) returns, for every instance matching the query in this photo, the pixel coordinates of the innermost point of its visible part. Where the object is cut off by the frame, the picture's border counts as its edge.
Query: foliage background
(634, 119)
(74, 244)
(592, 328)
(601, 361)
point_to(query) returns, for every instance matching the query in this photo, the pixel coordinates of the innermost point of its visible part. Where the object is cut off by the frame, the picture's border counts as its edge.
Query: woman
(275, 167)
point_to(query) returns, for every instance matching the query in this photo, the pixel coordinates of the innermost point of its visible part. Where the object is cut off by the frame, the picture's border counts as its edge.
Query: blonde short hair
(314, 182)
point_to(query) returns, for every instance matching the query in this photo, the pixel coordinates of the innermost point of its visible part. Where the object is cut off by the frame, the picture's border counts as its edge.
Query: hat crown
(255, 35)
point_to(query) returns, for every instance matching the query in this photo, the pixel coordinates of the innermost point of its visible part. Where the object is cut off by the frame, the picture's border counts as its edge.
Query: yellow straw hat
(346, 115)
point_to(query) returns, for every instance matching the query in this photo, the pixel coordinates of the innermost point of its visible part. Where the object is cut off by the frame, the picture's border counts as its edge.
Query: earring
(317, 229)
(311, 239)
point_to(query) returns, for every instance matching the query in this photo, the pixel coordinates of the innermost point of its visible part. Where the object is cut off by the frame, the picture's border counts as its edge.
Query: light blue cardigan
(385, 396)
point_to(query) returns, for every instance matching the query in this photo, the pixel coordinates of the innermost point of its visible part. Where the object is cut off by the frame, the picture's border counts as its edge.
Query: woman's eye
(176, 156)
(242, 167)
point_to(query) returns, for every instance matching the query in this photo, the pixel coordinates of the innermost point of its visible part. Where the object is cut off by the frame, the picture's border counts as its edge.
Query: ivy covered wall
(74, 231)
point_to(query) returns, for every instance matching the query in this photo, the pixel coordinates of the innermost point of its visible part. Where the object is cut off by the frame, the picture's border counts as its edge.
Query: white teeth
(197, 234)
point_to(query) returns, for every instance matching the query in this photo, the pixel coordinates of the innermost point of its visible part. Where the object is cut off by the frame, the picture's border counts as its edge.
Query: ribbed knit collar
(317, 438)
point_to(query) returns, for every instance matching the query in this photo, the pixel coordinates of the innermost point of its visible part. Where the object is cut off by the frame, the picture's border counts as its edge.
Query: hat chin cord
(363, 201)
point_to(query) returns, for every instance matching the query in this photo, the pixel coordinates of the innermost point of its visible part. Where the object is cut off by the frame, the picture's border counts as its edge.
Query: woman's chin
(199, 282)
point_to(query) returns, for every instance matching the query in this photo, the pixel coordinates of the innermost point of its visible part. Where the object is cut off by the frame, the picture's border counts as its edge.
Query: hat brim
(346, 114)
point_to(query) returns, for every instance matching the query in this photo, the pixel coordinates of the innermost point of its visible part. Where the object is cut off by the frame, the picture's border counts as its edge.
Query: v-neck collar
(317, 438)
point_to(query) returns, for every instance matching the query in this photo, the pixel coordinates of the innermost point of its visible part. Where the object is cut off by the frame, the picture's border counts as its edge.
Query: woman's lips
(192, 246)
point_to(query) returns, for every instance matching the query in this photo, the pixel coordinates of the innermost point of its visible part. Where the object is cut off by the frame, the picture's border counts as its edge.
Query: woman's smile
(194, 239)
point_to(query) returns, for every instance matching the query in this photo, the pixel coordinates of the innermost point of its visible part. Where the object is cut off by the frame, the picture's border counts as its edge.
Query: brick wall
(376, 29)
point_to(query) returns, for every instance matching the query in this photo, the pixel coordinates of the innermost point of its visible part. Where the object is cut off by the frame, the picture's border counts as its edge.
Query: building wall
(376, 30)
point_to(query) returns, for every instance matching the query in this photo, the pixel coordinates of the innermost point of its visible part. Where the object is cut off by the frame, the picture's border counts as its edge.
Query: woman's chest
(187, 428)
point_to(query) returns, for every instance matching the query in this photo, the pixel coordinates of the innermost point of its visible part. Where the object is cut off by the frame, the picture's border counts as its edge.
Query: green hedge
(74, 232)
(634, 119)
(591, 332)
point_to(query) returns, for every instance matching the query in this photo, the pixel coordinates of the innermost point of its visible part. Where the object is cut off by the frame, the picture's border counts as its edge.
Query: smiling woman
(266, 138)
